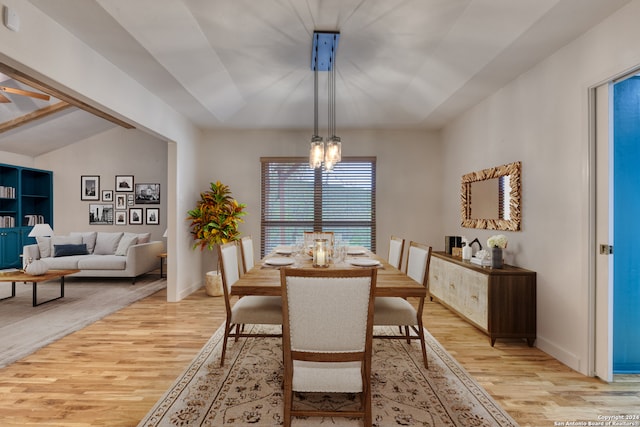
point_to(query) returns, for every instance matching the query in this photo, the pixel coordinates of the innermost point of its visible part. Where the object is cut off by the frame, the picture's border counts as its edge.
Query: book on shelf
(7, 221)
(33, 219)
(7, 192)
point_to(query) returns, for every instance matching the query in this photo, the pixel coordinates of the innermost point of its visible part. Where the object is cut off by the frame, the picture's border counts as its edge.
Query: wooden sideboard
(500, 302)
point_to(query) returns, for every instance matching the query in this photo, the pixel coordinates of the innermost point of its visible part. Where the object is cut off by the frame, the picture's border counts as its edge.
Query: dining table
(264, 278)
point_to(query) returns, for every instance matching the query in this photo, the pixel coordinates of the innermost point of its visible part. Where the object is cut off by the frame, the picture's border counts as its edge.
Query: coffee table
(20, 276)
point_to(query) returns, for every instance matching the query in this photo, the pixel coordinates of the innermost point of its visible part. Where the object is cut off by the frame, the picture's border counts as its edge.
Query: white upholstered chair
(396, 311)
(327, 337)
(396, 248)
(246, 249)
(260, 310)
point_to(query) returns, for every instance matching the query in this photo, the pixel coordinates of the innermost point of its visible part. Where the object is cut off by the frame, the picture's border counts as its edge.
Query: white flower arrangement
(497, 241)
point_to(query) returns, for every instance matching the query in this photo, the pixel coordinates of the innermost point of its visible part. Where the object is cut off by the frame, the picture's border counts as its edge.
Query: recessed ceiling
(239, 64)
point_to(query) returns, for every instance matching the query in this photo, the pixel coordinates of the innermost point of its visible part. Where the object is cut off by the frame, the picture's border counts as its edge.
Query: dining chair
(396, 248)
(327, 337)
(258, 310)
(397, 311)
(246, 250)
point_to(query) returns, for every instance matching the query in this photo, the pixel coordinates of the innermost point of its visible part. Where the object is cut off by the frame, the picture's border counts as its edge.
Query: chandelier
(323, 58)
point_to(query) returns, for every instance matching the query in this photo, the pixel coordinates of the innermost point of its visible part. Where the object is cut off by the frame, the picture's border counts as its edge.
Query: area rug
(24, 328)
(248, 390)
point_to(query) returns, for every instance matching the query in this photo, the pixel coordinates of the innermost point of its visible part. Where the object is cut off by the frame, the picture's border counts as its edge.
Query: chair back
(327, 310)
(396, 248)
(228, 258)
(310, 236)
(246, 248)
(418, 261)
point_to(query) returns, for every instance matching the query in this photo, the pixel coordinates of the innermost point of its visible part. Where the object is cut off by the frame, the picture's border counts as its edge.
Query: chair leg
(288, 401)
(407, 334)
(420, 332)
(238, 331)
(227, 329)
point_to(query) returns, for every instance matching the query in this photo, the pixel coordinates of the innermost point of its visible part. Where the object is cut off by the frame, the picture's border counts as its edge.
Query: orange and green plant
(216, 218)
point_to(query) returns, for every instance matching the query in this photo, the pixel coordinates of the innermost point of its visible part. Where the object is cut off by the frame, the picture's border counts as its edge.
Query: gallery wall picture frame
(124, 183)
(101, 214)
(121, 201)
(152, 216)
(107, 195)
(135, 216)
(147, 194)
(90, 187)
(121, 217)
(130, 200)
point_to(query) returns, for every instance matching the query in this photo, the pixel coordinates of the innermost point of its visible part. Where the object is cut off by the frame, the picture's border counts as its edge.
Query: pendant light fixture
(323, 58)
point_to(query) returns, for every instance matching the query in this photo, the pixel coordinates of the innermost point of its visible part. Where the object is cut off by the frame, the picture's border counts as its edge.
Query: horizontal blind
(296, 198)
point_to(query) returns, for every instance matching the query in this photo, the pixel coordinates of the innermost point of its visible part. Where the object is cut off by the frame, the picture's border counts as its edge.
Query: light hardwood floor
(113, 371)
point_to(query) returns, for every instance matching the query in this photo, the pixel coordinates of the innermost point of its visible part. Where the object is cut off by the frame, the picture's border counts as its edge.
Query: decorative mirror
(491, 198)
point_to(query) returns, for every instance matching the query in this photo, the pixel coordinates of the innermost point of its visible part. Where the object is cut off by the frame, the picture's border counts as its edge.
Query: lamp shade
(40, 230)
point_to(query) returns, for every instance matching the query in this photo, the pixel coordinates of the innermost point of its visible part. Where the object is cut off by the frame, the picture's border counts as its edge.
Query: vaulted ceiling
(241, 64)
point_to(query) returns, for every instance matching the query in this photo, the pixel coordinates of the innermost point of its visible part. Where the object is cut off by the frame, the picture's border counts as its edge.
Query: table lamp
(41, 230)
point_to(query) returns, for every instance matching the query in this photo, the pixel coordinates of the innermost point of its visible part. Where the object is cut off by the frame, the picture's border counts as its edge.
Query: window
(296, 198)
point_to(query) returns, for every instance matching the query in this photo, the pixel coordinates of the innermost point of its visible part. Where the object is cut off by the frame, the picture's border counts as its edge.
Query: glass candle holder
(320, 253)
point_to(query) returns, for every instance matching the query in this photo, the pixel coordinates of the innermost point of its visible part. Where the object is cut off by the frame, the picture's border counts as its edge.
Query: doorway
(617, 229)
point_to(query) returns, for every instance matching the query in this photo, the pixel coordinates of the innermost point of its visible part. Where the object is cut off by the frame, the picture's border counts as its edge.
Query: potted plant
(215, 221)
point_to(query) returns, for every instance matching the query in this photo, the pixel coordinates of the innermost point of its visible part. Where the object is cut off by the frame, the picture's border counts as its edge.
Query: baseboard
(185, 292)
(562, 355)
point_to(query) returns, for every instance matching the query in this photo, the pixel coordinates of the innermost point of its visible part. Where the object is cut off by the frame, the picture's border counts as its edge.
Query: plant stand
(213, 284)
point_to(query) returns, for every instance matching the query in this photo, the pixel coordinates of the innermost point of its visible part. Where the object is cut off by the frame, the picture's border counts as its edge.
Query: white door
(603, 329)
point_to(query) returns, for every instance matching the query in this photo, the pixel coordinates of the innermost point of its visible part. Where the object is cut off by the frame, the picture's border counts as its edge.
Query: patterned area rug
(248, 390)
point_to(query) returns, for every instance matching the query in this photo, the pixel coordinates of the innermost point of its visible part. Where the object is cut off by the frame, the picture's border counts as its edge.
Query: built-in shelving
(26, 198)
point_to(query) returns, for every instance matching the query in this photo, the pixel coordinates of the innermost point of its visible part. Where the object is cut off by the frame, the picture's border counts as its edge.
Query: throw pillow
(64, 240)
(44, 245)
(107, 243)
(88, 237)
(129, 239)
(144, 237)
(68, 250)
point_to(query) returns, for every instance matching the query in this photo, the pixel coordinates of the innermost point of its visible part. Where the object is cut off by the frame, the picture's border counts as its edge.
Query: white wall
(115, 152)
(16, 159)
(541, 118)
(408, 176)
(45, 50)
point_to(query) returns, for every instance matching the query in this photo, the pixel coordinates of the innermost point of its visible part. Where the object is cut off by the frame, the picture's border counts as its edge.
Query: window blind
(296, 198)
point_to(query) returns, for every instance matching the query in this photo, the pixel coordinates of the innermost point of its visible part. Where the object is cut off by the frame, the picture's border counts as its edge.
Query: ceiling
(239, 64)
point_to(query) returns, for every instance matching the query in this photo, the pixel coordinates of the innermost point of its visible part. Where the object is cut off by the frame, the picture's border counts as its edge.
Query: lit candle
(321, 256)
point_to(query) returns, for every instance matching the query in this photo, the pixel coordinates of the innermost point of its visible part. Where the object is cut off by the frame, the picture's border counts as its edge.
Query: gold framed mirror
(490, 198)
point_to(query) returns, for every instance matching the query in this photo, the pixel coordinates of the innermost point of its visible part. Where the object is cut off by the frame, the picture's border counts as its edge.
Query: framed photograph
(135, 216)
(130, 200)
(148, 194)
(90, 187)
(124, 183)
(121, 201)
(121, 217)
(107, 195)
(100, 214)
(152, 216)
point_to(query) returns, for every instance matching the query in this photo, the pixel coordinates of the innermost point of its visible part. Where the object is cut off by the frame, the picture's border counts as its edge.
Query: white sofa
(98, 254)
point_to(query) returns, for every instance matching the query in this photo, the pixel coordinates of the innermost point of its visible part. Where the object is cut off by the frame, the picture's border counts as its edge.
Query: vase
(36, 268)
(213, 284)
(496, 257)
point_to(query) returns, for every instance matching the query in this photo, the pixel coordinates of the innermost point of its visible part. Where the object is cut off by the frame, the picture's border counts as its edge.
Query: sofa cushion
(107, 243)
(89, 238)
(102, 262)
(63, 262)
(64, 240)
(128, 239)
(68, 250)
(44, 246)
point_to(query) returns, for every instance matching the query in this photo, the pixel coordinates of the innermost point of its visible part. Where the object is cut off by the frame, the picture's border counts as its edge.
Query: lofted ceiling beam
(23, 78)
(33, 116)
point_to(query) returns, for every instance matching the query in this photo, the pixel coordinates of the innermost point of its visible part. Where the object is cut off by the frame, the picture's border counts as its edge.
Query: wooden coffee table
(19, 276)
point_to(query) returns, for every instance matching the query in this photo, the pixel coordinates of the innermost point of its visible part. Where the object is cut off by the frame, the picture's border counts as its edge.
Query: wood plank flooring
(113, 371)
